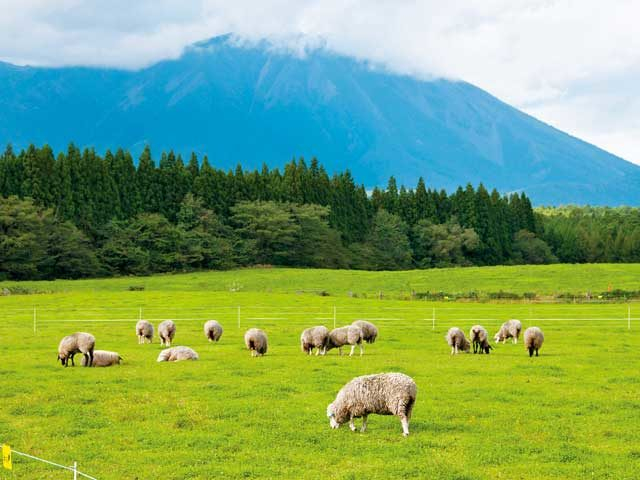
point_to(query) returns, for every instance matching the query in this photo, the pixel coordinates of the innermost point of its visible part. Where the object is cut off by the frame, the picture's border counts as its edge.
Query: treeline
(81, 214)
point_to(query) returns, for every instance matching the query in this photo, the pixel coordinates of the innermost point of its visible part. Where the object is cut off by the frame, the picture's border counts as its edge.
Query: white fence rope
(73, 469)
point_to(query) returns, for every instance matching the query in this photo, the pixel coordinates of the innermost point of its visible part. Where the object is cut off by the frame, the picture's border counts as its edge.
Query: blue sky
(573, 64)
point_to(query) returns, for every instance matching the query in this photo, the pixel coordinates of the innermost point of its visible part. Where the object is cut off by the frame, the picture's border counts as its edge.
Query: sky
(572, 64)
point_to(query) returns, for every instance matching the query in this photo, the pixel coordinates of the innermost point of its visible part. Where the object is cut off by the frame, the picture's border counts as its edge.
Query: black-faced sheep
(166, 331)
(480, 339)
(256, 341)
(457, 341)
(212, 330)
(103, 358)
(509, 329)
(315, 337)
(350, 335)
(177, 354)
(79, 342)
(369, 330)
(533, 340)
(382, 394)
(144, 331)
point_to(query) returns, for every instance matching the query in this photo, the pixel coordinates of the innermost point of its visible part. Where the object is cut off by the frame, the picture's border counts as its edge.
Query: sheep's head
(332, 416)
(62, 358)
(466, 345)
(497, 337)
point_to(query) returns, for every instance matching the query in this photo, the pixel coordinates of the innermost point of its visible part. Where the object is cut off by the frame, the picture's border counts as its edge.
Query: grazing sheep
(533, 340)
(76, 343)
(350, 335)
(509, 329)
(457, 341)
(176, 354)
(369, 330)
(103, 358)
(256, 341)
(166, 330)
(383, 394)
(315, 337)
(480, 339)
(144, 331)
(212, 330)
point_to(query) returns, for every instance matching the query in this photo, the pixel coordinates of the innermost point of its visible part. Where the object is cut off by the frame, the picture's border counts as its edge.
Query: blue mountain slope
(255, 105)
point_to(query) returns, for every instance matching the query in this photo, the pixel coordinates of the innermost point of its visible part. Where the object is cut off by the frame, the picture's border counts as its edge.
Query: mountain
(251, 105)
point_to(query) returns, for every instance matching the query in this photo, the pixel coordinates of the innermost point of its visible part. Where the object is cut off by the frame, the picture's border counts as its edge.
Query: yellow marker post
(6, 457)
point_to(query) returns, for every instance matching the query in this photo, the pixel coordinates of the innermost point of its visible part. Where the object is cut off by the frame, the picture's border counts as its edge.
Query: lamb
(103, 358)
(480, 339)
(144, 331)
(256, 341)
(212, 330)
(533, 340)
(350, 335)
(176, 354)
(315, 337)
(509, 329)
(166, 330)
(78, 342)
(457, 341)
(369, 330)
(383, 394)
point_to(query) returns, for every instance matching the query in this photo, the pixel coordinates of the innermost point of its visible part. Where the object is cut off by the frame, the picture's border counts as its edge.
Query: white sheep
(212, 330)
(314, 337)
(144, 331)
(457, 341)
(256, 341)
(104, 358)
(480, 339)
(533, 340)
(349, 335)
(177, 354)
(509, 329)
(382, 394)
(369, 330)
(166, 331)
(78, 342)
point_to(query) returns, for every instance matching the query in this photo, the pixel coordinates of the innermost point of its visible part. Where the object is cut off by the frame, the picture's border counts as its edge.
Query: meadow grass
(570, 413)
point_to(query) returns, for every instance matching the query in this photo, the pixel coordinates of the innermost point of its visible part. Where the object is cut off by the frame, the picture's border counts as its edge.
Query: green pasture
(570, 413)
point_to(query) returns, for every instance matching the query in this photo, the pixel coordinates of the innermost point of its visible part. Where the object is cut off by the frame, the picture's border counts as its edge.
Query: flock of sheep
(382, 394)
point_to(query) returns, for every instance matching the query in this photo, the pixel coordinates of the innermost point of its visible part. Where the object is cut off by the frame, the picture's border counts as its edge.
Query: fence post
(433, 319)
(140, 314)
(35, 319)
(75, 470)
(334, 316)
(238, 316)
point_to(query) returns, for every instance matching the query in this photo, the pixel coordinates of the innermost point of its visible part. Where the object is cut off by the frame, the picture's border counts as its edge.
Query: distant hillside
(255, 105)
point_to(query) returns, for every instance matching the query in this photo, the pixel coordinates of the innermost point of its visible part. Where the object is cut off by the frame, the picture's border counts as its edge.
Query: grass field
(570, 413)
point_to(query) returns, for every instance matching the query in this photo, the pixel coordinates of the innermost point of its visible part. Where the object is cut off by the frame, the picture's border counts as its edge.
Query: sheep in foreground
(176, 354)
(144, 331)
(350, 335)
(166, 330)
(315, 337)
(457, 341)
(509, 329)
(533, 340)
(78, 342)
(256, 341)
(480, 339)
(369, 330)
(383, 394)
(212, 330)
(103, 358)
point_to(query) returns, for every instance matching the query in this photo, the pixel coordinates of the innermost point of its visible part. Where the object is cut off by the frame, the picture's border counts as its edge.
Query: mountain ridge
(255, 104)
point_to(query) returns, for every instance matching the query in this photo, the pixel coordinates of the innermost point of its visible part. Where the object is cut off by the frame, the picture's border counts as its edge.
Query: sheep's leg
(456, 348)
(536, 352)
(340, 350)
(405, 425)
(515, 340)
(531, 351)
(352, 424)
(364, 424)
(361, 350)
(353, 347)
(452, 348)
(73, 363)
(318, 351)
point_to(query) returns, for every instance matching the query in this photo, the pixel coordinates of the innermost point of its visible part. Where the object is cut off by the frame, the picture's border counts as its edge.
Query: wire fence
(8, 453)
(581, 315)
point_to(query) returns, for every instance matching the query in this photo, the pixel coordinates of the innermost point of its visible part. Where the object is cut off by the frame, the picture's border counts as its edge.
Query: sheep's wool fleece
(176, 354)
(456, 337)
(533, 337)
(383, 393)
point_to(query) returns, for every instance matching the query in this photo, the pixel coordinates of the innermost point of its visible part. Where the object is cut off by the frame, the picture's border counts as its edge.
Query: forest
(78, 214)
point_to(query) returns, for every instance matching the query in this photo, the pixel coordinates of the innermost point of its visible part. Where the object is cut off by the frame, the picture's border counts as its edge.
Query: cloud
(571, 63)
